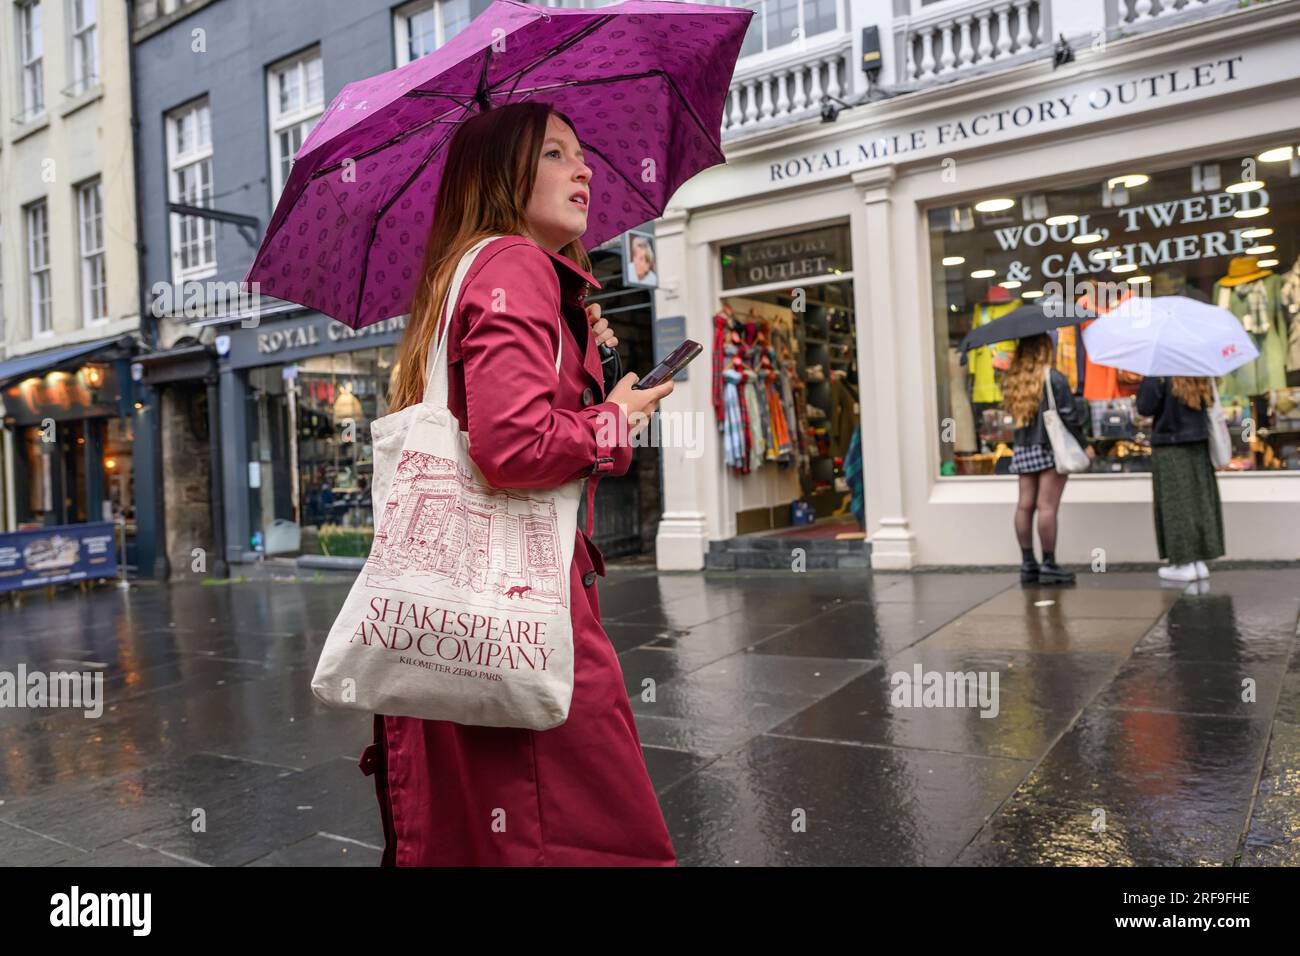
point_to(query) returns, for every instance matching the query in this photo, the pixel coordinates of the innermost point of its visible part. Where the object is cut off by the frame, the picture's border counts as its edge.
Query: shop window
(787, 393)
(310, 459)
(1224, 231)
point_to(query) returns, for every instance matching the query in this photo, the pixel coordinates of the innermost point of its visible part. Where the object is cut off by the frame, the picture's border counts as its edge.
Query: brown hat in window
(1244, 269)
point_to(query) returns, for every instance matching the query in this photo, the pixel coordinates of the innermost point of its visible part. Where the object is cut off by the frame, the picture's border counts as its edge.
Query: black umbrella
(1033, 318)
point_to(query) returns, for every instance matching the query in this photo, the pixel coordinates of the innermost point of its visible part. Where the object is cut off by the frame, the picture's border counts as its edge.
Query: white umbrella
(1169, 335)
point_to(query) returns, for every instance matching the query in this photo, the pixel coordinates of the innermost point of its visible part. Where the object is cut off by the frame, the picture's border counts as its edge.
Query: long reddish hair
(486, 184)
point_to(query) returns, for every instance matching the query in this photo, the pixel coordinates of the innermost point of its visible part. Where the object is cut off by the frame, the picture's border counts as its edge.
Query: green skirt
(1189, 518)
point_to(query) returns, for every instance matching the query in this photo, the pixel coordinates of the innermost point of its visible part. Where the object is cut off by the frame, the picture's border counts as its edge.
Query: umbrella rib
(421, 127)
(379, 215)
(564, 45)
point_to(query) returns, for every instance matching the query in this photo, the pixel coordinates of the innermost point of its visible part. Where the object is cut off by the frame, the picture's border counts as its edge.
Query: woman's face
(640, 261)
(557, 211)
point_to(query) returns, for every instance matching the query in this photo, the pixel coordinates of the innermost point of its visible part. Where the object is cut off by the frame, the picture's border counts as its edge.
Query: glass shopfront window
(310, 459)
(1226, 231)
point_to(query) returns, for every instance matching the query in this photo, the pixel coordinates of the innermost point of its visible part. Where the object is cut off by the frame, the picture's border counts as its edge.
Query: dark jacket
(1175, 423)
(1073, 412)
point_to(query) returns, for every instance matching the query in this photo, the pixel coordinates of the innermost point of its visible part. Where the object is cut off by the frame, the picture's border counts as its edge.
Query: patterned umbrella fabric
(644, 82)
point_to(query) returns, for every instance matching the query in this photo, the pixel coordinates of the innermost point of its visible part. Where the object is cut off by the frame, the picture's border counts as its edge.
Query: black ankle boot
(1049, 572)
(1029, 572)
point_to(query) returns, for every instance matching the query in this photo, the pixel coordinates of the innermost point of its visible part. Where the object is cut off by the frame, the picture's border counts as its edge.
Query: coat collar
(574, 283)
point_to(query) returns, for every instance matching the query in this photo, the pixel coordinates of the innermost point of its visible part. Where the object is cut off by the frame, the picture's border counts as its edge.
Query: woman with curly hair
(1041, 486)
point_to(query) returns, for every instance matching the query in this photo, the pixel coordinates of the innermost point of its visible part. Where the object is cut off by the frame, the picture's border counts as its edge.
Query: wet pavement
(1132, 723)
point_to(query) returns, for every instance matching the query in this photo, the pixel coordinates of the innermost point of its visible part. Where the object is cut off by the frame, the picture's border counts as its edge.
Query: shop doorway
(627, 506)
(787, 394)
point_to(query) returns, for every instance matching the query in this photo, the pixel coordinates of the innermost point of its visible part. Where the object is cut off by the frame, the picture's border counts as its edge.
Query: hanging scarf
(1257, 319)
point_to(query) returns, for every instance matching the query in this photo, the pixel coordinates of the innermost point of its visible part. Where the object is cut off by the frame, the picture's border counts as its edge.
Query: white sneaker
(1178, 572)
(1201, 570)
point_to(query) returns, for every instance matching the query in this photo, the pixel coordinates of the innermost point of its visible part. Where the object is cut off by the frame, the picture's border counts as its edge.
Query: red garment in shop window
(1101, 382)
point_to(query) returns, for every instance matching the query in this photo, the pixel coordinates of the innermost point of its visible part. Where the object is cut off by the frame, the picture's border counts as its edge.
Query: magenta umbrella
(644, 82)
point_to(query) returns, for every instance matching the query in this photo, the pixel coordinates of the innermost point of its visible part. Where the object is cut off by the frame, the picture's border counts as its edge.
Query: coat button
(589, 578)
(587, 396)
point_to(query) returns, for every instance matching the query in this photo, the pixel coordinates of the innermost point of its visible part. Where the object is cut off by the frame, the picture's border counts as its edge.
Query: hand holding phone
(670, 366)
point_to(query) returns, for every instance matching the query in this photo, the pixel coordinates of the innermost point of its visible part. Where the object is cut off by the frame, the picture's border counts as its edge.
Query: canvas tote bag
(1070, 457)
(1220, 438)
(461, 611)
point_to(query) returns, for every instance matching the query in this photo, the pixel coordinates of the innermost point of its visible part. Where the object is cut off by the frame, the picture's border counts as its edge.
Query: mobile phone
(671, 365)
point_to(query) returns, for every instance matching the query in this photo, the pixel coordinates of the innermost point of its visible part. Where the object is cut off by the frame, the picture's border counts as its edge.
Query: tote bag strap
(1047, 384)
(435, 390)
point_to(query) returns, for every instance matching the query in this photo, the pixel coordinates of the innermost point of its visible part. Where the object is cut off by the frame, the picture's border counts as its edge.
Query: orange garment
(1101, 382)
(1067, 355)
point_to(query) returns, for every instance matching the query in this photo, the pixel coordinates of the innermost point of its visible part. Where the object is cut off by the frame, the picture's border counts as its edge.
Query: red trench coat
(577, 794)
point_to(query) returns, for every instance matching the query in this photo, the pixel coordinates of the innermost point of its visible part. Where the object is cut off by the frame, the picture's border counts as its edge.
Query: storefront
(70, 418)
(298, 395)
(1164, 163)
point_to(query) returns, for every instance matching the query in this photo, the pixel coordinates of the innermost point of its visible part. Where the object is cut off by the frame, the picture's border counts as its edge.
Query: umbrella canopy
(1169, 335)
(1034, 318)
(644, 82)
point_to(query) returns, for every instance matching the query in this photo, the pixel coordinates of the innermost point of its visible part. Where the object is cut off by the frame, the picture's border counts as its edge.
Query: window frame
(30, 38)
(38, 274)
(93, 271)
(279, 123)
(197, 157)
(83, 44)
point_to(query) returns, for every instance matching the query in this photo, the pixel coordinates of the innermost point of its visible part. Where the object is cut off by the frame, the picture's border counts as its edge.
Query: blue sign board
(73, 552)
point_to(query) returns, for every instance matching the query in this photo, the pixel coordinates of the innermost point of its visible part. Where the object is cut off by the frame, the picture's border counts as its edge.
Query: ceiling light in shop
(1266, 263)
(984, 273)
(1061, 220)
(1124, 267)
(1128, 181)
(1250, 213)
(1011, 284)
(1260, 250)
(1086, 238)
(1034, 294)
(1101, 255)
(1279, 154)
(953, 260)
(1244, 187)
(994, 205)
(1138, 280)
(1259, 233)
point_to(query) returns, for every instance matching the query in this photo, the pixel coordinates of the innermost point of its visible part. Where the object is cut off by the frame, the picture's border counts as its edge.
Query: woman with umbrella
(1184, 492)
(403, 174)
(1041, 485)
(1180, 345)
(1031, 386)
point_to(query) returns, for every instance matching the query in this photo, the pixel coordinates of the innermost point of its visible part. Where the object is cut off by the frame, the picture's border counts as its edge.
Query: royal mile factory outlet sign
(1065, 104)
(281, 342)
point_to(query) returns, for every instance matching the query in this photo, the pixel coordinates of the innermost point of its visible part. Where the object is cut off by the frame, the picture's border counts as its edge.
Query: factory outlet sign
(276, 343)
(1061, 105)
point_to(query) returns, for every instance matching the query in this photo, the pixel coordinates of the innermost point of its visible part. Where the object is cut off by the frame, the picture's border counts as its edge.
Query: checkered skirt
(1027, 459)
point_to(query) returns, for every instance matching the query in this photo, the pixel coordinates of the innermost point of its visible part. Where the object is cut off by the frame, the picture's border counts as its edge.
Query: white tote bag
(1070, 457)
(1220, 438)
(461, 612)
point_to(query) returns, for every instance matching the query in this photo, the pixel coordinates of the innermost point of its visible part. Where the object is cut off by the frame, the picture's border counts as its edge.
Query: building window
(1200, 231)
(296, 91)
(31, 55)
(38, 268)
(420, 28)
(94, 283)
(85, 65)
(779, 23)
(189, 159)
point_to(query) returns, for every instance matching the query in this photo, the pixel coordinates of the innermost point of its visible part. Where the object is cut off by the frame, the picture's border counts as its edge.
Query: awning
(24, 366)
